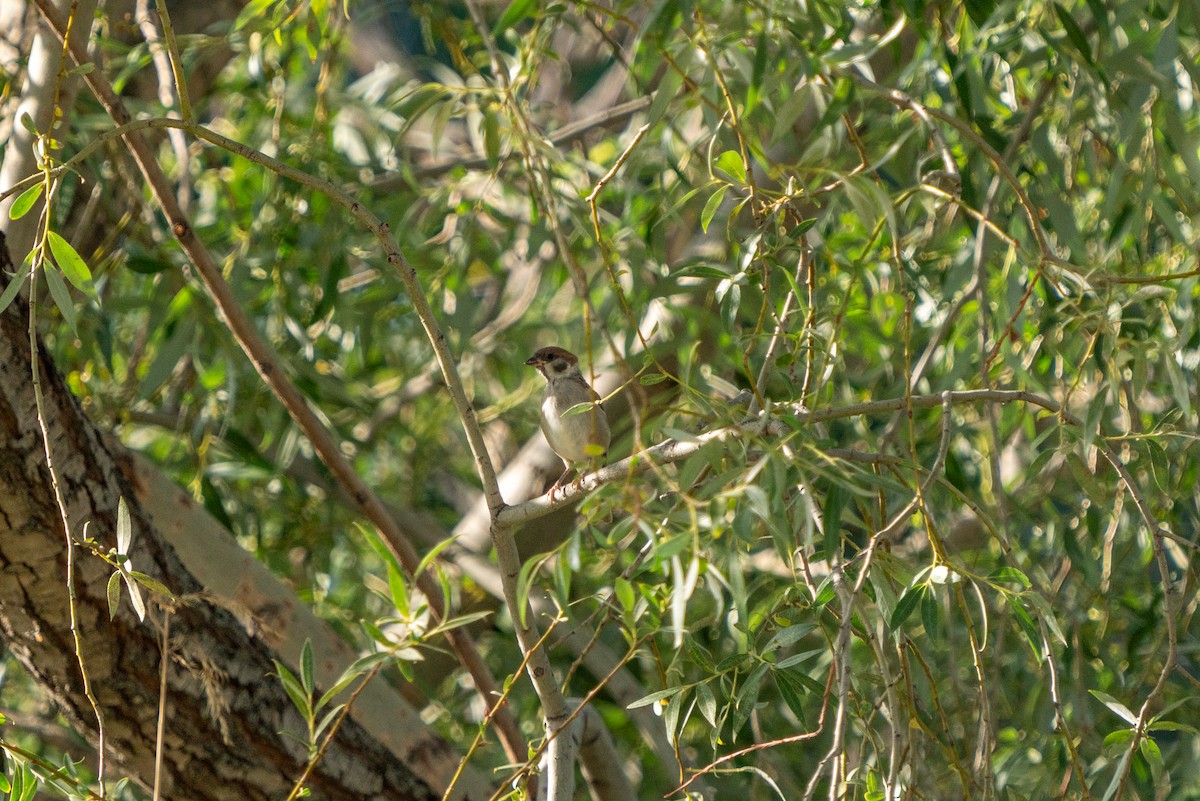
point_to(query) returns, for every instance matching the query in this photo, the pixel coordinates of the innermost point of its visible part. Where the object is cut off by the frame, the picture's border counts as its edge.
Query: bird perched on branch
(577, 437)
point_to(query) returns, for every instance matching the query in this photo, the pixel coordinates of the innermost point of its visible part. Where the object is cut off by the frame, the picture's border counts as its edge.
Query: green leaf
(578, 408)
(398, 589)
(329, 718)
(796, 659)
(1046, 612)
(146, 265)
(114, 594)
(789, 636)
(14, 287)
(25, 201)
(1159, 465)
(345, 680)
(151, 583)
(905, 606)
(306, 667)
(825, 593)
(1032, 637)
(18, 779)
(707, 703)
(1114, 742)
(1150, 750)
(730, 163)
(1007, 574)
(654, 697)
(1170, 725)
(754, 90)
(792, 692)
(292, 687)
(624, 592)
(458, 622)
(124, 528)
(929, 615)
(70, 262)
(697, 652)
(1116, 707)
(135, 595)
(1075, 34)
(62, 298)
(517, 11)
(710, 208)
(491, 138)
(434, 552)
(747, 697)
(255, 8)
(377, 543)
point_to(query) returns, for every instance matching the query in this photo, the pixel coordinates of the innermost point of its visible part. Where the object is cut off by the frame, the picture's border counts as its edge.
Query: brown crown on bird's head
(557, 359)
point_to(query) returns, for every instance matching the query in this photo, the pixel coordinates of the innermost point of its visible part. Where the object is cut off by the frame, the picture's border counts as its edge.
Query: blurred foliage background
(820, 205)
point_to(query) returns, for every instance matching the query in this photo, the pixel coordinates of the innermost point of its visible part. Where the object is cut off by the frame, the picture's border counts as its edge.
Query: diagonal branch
(271, 370)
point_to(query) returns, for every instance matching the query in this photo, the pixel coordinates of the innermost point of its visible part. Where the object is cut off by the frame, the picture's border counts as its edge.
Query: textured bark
(226, 711)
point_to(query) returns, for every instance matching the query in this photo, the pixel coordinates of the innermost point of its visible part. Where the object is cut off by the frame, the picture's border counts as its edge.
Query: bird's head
(554, 362)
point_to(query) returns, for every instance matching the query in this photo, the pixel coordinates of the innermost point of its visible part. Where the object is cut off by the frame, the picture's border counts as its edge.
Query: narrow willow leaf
(70, 262)
(659, 695)
(710, 208)
(624, 592)
(135, 595)
(792, 692)
(929, 615)
(62, 299)
(1006, 574)
(1118, 708)
(517, 10)
(14, 286)
(307, 679)
(254, 8)
(708, 703)
(25, 201)
(151, 583)
(114, 594)
(291, 686)
(124, 529)
(906, 605)
(398, 588)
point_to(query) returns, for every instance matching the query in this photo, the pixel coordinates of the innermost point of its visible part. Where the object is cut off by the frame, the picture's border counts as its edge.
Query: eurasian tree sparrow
(576, 438)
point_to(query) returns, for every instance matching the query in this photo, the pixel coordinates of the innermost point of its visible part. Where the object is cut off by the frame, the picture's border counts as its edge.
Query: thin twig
(273, 374)
(750, 749)
(563, 136)
(160, 730)
(315, 759)
(35, 358)
(171, 86)
(181, 93)
(608, 176)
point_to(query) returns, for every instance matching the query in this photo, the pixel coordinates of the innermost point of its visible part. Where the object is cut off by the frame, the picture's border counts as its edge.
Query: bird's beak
(533, 361)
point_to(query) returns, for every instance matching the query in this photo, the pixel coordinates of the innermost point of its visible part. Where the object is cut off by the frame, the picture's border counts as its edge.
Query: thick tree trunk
(226, 712)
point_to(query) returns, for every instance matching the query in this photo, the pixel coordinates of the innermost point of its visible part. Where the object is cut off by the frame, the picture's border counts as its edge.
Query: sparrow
(579, 437)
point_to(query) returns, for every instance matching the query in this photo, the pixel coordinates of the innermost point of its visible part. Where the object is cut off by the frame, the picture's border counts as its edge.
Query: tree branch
(272, 373)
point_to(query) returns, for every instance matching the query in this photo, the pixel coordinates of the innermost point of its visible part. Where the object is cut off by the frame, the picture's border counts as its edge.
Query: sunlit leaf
(25, 201)
(70, 262)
